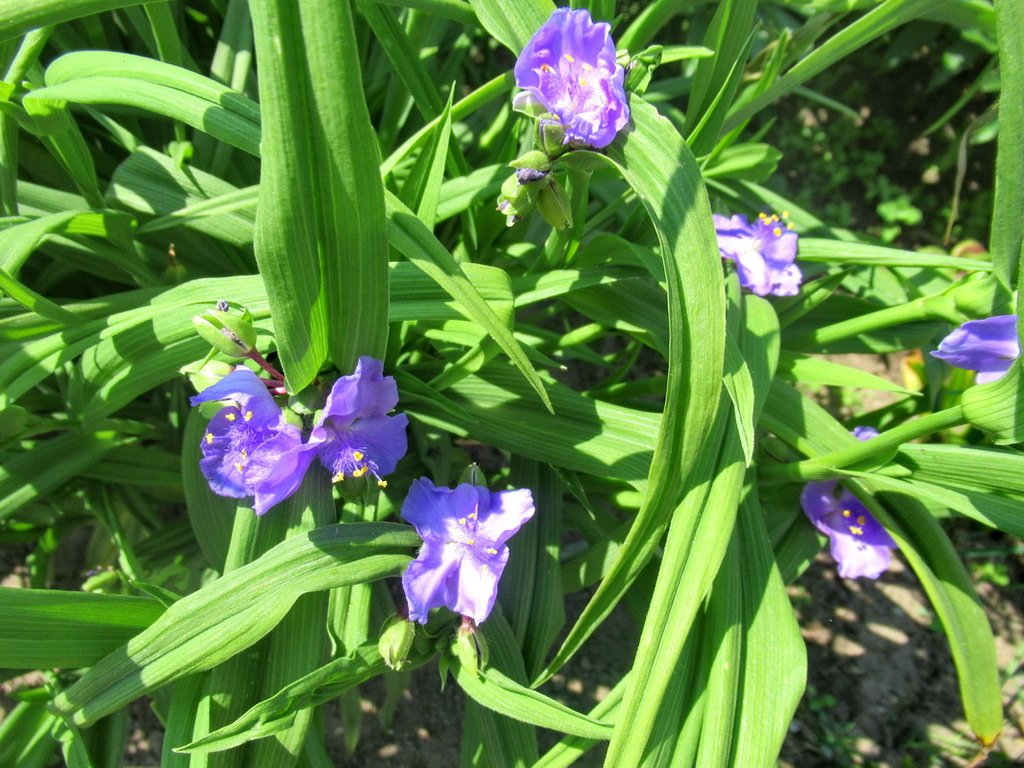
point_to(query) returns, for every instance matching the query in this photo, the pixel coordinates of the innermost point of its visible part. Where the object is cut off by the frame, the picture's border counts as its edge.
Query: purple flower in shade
(354, 435)
(569, 69)
(858, 542)
(987, 346)
(464, 533)
(248, 448)
(764, 253)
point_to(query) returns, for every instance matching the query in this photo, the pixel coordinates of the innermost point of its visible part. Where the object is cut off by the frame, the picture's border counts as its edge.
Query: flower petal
(478, 583)
(989, 346)
(430, 581)
(366, 392)
(502, 513)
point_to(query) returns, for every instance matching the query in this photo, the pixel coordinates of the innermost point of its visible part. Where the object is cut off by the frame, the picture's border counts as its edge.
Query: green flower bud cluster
(532, 186)
(228, 329)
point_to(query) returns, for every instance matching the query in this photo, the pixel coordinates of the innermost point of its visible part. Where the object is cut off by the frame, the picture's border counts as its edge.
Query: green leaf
(808, 369)
(56, 628)
(1007, 236)
(210, 626)
(17, 18)
(998, 407)
(321, 238)
(656, 163)
(500, 693)
(512, 24)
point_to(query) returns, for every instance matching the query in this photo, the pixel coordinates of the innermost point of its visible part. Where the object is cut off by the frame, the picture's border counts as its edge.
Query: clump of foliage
(495, 349)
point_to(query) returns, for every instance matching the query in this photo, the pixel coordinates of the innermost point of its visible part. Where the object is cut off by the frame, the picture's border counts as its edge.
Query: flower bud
(534, 159)
(981, 296)
(232, 334)
(470, 647)
(640, 69)
(206, 373)
(554, 205)
(551, 136)
(516, 200)
(396, 641)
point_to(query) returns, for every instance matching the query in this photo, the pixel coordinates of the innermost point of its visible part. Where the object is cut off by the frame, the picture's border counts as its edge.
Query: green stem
(827, 466)
(939, 307)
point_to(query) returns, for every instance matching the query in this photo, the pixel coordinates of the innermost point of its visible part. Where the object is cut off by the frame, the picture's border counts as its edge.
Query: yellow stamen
(471, 542)
(462, 521)
(472, 515)
(382, 483)
(209, 438)
(570, 58)
(583, 83)
(229, 416)
(245, 453)
(777, 231)
(785, 214)
(861, 520)
(847, 513)
(248, 415)
(338, 477)
(491, 551)
(856, 530)
(239, 466)
(547, 68)
(358, 455)
(360, 472)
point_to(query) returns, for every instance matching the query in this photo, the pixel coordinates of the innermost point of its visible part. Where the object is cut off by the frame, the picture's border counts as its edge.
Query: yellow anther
(245, 453)
(777, 231)
(491, 551)
(472, 515)
(570, 58)
(785, 214)
(462, 521)
(239, 466)
(583, 83)
(209, 438)
(856, 530)
(471, 542)
(338, 477)
(358, 455)
(248, 415)
(861, 520)
(847, 513)
(229, 416)
(360, 472)
(547, 68)
(382, 483)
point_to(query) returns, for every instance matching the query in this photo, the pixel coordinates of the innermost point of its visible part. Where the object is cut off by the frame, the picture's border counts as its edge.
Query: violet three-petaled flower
(569, 68)
(859, 544)
(248, 447)
(764, 253)
(464, 553)
(988, 346)
(354, 435)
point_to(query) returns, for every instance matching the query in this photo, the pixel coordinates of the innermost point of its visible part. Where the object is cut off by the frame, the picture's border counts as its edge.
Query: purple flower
(858, 542)
(464, 533)
(764, 253)
(569, 69)
(248, 448)
(987, 346)
(354, 434)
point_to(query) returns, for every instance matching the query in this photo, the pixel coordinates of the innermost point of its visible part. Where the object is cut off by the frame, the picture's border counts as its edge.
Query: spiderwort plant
(764, 253)
(464, 531)
(859, 544)
(988, 346)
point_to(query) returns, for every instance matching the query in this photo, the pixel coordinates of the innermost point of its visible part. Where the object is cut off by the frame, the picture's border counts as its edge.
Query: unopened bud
(205, 374)
(470, 647)
(516, 200)
(227, 332)
(396, 641)
(554, 205)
